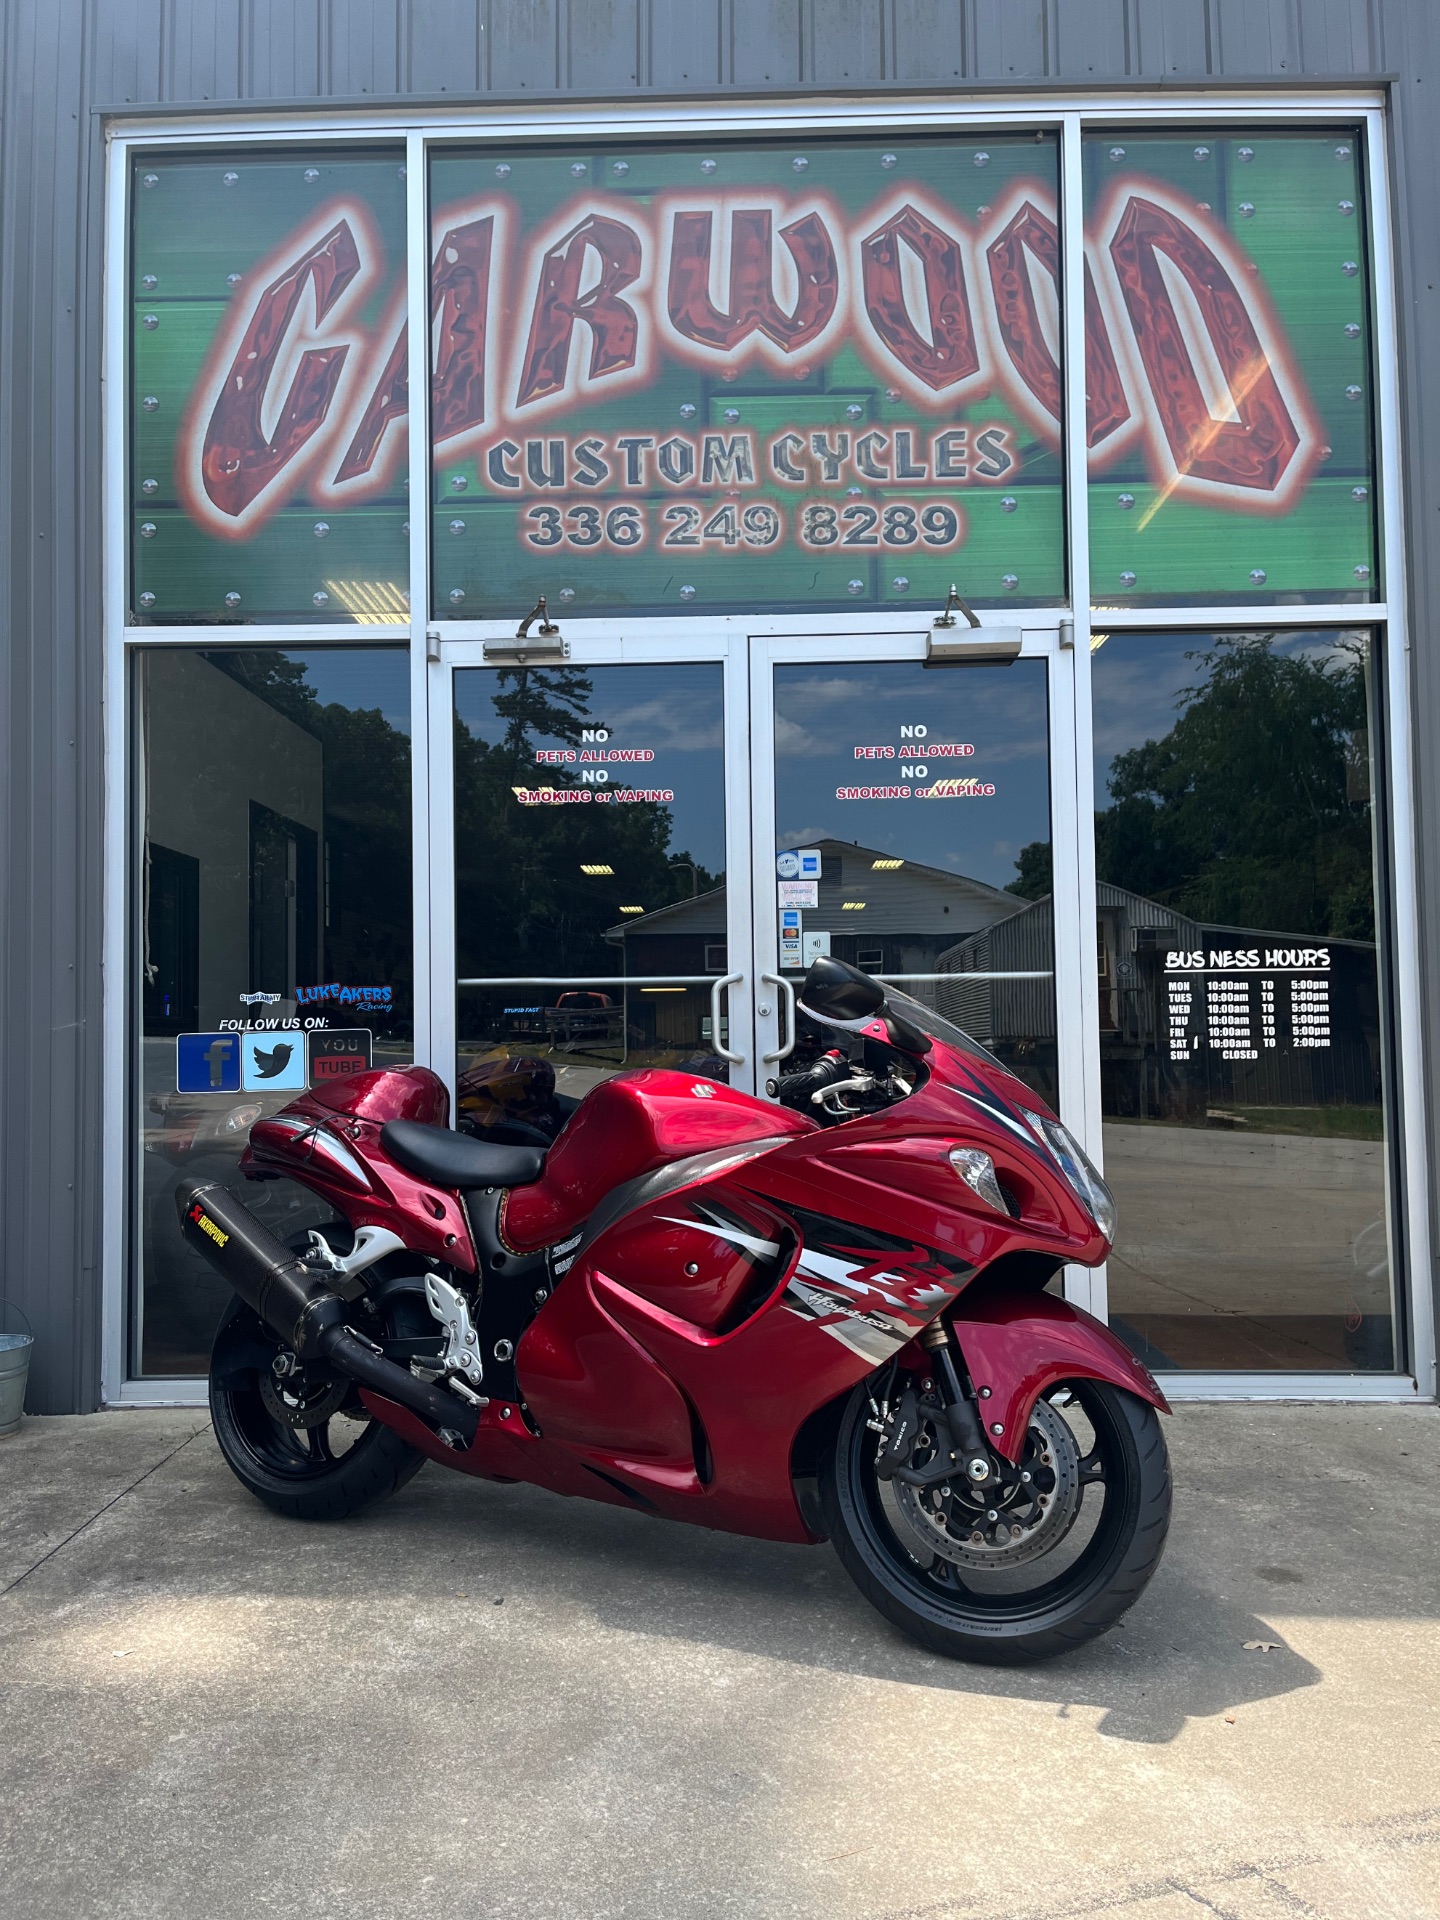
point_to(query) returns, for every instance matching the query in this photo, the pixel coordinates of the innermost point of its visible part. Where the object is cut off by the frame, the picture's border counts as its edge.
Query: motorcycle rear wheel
(1037, 1609)
(327, 1471)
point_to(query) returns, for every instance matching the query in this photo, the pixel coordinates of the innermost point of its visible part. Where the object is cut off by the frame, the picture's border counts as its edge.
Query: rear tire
(1006, 1623)
(305, 1473)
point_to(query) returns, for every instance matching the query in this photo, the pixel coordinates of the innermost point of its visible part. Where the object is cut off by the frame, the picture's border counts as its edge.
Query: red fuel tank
(626, 1127)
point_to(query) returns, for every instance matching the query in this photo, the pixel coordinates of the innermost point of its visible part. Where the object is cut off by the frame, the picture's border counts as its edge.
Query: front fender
(1017, 1345)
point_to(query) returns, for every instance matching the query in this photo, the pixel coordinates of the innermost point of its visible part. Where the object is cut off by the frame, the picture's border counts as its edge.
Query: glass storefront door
(649, 846)
(908, 819)
(595, 824)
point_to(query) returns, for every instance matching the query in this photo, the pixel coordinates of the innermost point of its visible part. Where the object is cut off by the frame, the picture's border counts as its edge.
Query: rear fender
(1018, 1345)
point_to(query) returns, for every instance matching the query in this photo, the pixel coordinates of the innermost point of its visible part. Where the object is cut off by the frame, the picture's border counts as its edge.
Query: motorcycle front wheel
(1021, 1573)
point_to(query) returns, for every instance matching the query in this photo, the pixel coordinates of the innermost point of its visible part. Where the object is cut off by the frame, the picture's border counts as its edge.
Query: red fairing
(627, 1127)
(900, 1180)
(707, 1267)
(590, 1384)
(1018, 1345)
(329, 1140)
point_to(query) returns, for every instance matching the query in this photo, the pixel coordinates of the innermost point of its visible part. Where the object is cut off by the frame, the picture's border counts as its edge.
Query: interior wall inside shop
(225, 777)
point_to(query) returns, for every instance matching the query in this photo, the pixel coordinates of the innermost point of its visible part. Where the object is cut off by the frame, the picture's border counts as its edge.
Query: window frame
(1071, 116)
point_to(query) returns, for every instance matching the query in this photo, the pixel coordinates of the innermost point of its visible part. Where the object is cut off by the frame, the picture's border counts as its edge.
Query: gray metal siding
(62, 60)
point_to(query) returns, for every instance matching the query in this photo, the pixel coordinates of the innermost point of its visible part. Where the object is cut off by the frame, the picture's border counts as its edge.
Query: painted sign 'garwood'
(1181, 346)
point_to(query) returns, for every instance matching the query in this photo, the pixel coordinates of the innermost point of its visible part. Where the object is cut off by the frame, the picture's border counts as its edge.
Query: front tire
(327, 1470)
(1092, 1568)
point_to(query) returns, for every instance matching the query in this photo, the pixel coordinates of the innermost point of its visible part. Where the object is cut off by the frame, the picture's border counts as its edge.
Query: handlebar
(796, 1089)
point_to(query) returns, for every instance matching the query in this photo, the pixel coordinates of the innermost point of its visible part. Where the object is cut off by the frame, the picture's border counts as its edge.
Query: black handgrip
(796, 1089)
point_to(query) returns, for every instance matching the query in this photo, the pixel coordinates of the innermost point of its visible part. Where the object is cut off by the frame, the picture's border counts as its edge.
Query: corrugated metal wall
(61, 61)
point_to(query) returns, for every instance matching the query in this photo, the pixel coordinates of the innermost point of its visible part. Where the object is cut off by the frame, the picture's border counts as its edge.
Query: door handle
(777, 980)
(730, 980)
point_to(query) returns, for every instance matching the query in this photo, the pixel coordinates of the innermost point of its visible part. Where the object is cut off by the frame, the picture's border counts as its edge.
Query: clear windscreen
(938, 1027)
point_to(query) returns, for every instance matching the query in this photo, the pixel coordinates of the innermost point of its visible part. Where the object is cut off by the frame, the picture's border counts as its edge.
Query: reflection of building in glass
(895, 918)
(886, 921)
(1250, 1025)
(234, 824)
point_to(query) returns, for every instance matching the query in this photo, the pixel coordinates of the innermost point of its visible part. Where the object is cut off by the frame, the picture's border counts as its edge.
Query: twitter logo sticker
(274, 1062)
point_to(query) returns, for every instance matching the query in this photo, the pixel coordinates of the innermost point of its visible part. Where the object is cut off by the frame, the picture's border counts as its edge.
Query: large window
(799, 375)
(272, 931)
(268, 389)
(1242, 1037)
(1229, 388)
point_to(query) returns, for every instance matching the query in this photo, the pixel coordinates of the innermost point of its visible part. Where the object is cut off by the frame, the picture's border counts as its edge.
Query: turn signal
(977, 1170)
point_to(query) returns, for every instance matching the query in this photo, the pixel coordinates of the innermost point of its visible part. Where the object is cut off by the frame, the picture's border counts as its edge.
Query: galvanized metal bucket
(16, 1345)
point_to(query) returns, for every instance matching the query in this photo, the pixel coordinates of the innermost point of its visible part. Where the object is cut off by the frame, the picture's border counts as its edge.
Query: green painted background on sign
(208, 233)
(895, 481)
(1295, 205)
(1012, 547)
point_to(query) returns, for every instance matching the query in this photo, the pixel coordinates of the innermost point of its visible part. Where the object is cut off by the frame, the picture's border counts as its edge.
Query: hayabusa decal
(870, 1297)
(562, 1255)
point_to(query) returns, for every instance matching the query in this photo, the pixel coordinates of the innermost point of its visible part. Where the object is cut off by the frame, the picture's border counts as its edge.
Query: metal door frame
(698, 642)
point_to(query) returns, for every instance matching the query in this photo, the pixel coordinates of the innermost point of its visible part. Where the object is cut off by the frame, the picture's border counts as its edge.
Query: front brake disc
(956, 1523)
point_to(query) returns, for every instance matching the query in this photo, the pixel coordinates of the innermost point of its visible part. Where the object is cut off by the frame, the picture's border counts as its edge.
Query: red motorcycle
(830, 1317)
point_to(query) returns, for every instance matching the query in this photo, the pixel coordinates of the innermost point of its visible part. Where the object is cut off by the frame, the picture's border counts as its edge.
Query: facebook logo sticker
(207, 1063)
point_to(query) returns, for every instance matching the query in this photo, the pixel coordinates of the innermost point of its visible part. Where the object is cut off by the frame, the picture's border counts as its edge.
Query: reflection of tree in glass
(522, 903)
(1254, 810)
(368, 902)
(1034, 867)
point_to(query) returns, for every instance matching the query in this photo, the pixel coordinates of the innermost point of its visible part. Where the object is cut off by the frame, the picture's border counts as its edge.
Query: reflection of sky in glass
(1137, 680)
(676, 711)
(361, 678)
(823, 712)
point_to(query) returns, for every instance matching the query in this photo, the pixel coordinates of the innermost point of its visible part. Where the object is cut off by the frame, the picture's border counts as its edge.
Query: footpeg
(462, 1342)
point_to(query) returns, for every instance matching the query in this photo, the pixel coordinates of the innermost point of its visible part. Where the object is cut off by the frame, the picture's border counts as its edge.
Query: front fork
(947, 1404)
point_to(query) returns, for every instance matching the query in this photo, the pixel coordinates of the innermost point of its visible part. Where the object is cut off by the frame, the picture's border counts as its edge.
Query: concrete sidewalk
(485, 1701)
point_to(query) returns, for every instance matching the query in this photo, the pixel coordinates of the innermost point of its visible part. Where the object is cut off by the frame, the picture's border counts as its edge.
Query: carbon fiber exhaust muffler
(294, 1302)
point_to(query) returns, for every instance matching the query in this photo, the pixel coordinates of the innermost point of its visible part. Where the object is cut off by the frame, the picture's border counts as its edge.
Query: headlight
(977, 1170)
(1068, 1154)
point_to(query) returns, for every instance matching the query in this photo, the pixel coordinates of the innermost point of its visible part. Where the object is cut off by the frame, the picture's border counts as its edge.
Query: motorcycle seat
(455, 1159)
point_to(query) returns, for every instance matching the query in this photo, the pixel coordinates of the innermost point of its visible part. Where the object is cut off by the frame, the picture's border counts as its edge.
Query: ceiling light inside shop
(1097, 640)
(852, 906)
(371, 603)
(662, 989)
(595, 868)
(886, 866)
(632, 909)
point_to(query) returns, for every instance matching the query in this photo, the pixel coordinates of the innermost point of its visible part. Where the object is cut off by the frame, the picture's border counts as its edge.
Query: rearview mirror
(837, 991)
